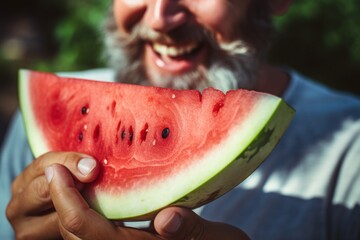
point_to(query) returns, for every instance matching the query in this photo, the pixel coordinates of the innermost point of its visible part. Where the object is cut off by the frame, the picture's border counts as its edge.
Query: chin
(225, 67)
(227, 74)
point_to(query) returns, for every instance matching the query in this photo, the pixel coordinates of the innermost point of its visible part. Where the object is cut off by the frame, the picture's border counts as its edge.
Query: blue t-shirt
(308, 188)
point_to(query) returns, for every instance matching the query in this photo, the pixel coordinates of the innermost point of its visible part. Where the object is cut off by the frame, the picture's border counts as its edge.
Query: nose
(164, 15)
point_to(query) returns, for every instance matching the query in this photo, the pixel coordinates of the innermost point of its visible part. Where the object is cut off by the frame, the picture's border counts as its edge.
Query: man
(309, 188)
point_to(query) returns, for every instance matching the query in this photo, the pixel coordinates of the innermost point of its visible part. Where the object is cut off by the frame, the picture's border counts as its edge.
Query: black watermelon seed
(81, 136)
(131, 134)
(165, 133)
(144, 132)
(123, 134)
(83, 110)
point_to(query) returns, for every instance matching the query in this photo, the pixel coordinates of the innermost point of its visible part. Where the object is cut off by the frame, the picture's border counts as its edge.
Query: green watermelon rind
(246, 162)
(247, 145)
(197, 187)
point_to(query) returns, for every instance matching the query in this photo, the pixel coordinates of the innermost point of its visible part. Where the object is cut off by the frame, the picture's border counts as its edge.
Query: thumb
(181, 223)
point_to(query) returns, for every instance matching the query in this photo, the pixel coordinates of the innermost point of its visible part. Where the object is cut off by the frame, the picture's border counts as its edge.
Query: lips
(174, 51)
(175, 59)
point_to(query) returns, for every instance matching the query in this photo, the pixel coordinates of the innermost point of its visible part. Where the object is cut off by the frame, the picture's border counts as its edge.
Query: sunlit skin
(218, 16)
(165, 16)
(46, 201)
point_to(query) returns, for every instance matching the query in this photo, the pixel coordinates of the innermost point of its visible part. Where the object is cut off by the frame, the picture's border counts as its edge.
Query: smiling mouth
(176, 59)
(176, 52)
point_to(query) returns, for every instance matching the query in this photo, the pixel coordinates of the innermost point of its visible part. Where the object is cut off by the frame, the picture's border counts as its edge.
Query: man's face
(187, 43)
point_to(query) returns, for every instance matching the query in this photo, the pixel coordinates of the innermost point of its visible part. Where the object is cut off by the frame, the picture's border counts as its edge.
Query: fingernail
(173, 224)
(49, 173)
(86, 165)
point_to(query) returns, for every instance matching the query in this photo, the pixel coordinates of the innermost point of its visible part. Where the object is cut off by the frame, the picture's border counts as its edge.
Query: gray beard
(231, 66)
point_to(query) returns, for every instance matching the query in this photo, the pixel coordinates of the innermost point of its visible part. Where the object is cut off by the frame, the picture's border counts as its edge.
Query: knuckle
(38, 164)
(20, 231)
(41, 188)
(70, 158)
(73, 222)
(25, 234)
(15, 189)
(10, 210)
(64, 158)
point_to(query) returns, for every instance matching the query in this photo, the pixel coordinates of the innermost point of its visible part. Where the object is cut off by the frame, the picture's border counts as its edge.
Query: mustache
(180, 35)
(229, 65)
(183, 35)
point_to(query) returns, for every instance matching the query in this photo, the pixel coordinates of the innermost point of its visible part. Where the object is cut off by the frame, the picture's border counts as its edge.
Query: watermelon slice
(157, 146)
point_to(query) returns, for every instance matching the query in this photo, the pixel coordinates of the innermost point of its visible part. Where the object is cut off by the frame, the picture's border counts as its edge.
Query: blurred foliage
(319, 38)
(322, 39)
(78, 35)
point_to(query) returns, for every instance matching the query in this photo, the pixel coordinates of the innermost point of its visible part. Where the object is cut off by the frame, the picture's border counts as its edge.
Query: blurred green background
(319, 38)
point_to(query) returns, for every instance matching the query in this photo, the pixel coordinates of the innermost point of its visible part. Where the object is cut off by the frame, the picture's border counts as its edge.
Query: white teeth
(173, 51)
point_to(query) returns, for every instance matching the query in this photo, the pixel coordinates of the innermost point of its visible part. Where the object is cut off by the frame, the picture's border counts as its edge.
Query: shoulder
(320, 109)
(306, 92)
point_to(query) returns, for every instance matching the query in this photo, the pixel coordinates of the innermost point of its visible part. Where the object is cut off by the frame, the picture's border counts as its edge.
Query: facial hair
(231, 66)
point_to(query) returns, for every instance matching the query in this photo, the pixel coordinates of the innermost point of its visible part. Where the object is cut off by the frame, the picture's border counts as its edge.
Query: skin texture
(165, 15)
(29, 220)
(179, 25)
(46, 197)
(55, 209)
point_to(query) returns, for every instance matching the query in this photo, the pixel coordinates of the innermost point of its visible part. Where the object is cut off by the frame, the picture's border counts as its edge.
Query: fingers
(30, 189)
(180, 223)
(76, 219)
(39, 227)
(73, 211)
(31, 213)
(33, 200)
(83, 167)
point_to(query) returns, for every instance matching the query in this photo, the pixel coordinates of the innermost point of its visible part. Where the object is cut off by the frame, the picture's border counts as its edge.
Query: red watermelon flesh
(157, 146)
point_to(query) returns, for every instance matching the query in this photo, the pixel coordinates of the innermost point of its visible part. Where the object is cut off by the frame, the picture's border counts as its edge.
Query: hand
(179, 223)
(78, 221)
(30, 210)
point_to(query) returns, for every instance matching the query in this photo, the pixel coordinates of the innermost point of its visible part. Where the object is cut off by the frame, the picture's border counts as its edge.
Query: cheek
(127, 13)
(221, 17)
(133, 3)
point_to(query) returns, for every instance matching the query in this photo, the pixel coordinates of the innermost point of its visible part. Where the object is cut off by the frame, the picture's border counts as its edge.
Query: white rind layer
(204, 176)
(31, 127)
(205, 179)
